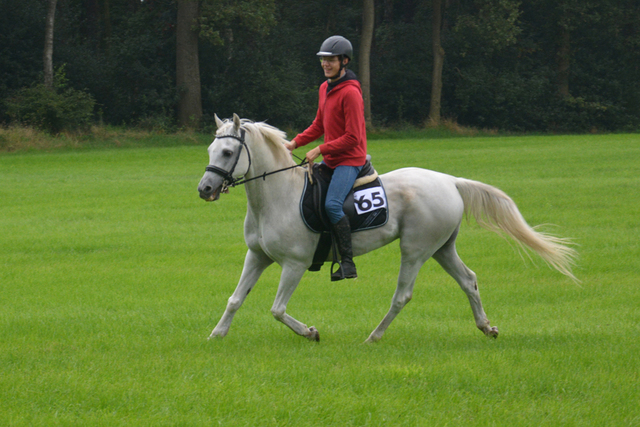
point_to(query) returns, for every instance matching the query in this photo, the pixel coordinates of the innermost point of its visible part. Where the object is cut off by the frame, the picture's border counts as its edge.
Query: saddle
(365, 206)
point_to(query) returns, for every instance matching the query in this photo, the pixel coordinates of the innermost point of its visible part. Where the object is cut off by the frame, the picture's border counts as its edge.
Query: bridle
(229, 180)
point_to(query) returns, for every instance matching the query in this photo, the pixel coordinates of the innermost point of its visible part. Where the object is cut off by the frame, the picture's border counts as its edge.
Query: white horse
(425, 212)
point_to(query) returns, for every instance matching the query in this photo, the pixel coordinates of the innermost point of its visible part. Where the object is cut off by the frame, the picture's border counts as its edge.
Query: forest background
(524, 66)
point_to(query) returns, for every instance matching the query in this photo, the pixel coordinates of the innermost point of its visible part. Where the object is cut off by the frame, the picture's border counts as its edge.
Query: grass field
(113, 273)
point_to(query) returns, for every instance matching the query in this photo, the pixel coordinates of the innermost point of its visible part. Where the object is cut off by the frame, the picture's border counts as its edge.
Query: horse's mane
(275, 136)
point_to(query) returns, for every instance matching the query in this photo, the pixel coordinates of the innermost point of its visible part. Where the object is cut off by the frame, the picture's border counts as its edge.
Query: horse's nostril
(208, 189)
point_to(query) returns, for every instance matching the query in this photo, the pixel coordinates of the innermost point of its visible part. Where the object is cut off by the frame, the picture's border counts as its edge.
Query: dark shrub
(52, 110)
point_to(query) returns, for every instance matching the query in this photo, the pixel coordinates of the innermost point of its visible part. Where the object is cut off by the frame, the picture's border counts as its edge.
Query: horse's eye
(227, 153)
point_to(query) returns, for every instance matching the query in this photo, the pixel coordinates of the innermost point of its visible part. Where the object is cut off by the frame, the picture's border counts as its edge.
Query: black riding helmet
(336, 46)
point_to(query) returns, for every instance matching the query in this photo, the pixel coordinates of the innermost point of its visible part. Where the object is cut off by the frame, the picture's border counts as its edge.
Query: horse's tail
(495, 211)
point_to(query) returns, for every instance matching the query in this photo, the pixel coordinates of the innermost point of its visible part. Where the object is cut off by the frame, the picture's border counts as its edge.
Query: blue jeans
(341, 183)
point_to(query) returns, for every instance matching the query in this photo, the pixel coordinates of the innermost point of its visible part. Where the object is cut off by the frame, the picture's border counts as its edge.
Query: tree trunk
(48, 45)
(188, 65)
(105, 15)
(438, 63)
(563, 58)
(387, 14)
(365, 56)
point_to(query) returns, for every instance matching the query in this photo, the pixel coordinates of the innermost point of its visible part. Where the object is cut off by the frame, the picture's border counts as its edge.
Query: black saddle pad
(365, 206)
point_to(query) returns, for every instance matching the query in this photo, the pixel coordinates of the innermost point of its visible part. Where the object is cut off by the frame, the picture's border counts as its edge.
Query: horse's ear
(219, 122)
(236, 122)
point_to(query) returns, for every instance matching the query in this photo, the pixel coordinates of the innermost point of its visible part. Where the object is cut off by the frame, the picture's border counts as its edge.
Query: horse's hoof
(313, 334)
(492, 332)
(216, 335)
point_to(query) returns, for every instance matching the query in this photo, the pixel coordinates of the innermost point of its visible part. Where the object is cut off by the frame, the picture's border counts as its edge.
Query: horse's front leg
(254, 264)
(291, 276)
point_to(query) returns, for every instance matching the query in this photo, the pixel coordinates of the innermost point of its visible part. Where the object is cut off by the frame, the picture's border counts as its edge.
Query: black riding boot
(342, 233)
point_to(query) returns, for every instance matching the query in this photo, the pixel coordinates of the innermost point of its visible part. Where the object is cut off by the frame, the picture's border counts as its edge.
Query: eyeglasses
(328, 59)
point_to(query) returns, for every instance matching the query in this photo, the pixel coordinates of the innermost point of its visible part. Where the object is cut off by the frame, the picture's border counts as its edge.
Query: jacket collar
(349, 75)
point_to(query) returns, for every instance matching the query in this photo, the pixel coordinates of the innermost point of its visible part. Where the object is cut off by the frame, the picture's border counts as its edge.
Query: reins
(266, 174)
(229, 180)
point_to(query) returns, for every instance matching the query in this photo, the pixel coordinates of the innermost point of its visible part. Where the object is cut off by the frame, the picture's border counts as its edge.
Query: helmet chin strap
(338, 75)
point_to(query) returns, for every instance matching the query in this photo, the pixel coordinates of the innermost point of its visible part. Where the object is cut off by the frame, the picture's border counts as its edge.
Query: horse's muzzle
(208, 194)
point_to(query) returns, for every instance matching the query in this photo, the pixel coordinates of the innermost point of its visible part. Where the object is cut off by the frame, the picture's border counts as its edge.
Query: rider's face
(330, 65)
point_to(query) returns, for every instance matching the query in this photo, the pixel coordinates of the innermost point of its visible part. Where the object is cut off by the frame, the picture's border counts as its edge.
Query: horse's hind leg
(406, 280)
(448, 258)
(254, 264)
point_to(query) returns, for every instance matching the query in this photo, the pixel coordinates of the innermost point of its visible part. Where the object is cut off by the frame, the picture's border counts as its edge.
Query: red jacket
(340, 118)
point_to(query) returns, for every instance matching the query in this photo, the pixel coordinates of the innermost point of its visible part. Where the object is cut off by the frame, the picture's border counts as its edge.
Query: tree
(188, 64)
(48, 44)
(568, 16)
(368, 15)
(208, 19)
(438, 62)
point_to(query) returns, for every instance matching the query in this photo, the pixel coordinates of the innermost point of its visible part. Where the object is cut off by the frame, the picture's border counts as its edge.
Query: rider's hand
(291, 145)
(313, 154)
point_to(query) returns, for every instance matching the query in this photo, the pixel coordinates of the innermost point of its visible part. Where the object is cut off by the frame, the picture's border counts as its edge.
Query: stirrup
(339, 274)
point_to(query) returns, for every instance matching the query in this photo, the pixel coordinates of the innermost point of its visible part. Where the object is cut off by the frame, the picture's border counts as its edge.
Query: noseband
(229, 180)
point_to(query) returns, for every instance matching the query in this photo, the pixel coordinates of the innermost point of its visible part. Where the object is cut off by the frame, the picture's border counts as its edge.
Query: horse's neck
(274, 191)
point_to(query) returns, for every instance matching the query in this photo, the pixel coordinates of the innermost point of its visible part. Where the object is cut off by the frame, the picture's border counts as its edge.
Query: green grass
(113, 273)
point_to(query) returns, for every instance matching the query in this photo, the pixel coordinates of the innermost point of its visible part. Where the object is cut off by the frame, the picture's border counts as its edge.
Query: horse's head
(229, 159)
(237, 143)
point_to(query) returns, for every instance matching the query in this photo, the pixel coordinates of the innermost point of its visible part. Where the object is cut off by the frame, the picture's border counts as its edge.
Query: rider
(340, 118)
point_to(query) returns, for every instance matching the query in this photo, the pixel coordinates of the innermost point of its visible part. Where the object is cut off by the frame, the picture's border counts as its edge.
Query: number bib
(369, 199)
